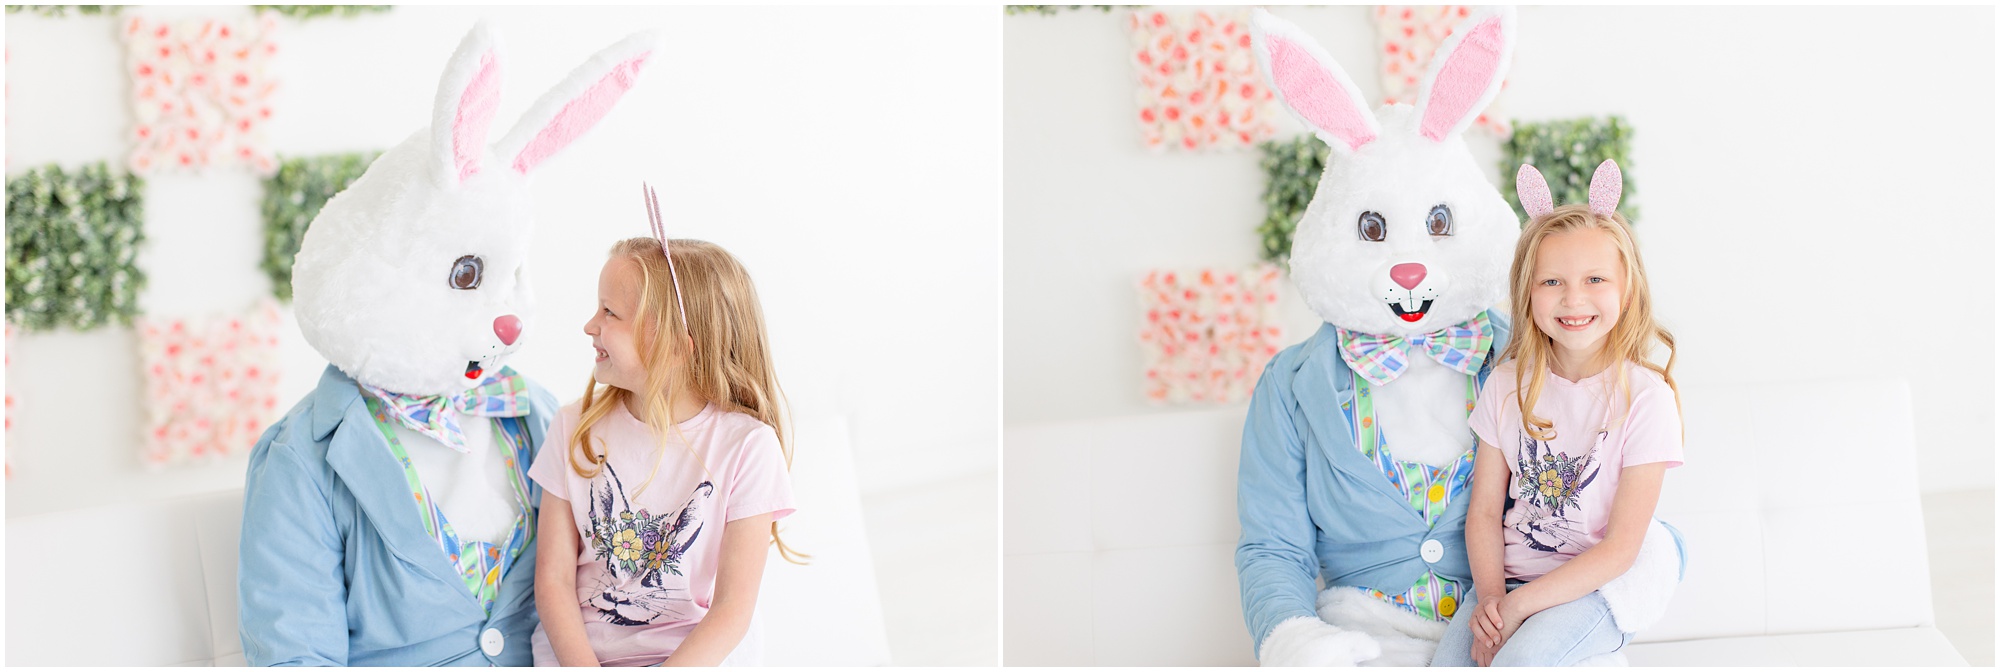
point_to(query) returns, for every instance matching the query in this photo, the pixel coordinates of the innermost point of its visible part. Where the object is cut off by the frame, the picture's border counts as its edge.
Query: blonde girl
(660, 505)
(1577, 426)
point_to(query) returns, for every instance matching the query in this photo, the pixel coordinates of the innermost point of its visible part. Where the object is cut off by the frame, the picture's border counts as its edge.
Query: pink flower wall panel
(211, 385)
(1199, 85)
(1206, 334)
(201, 93)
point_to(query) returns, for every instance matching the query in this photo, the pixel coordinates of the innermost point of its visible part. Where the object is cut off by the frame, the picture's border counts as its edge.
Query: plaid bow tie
(502, 395)
(1379, 359)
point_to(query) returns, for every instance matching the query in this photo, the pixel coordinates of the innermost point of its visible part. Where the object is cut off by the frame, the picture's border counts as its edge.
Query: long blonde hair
(1631, 339)
(729, 364)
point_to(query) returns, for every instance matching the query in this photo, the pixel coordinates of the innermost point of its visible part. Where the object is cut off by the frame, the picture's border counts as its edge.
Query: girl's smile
(1577, 323)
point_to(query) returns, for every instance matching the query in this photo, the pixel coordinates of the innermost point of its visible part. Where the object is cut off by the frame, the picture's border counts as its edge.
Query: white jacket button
(492, 642)
(1432, 551)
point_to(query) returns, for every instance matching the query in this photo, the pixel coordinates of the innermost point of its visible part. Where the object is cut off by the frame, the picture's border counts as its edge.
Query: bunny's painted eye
(466, 271)
(1439, 223)
(1372, 228)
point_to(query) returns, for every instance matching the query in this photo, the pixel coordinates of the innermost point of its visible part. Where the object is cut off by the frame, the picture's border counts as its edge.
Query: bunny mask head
(412, 279)
(1404, 235)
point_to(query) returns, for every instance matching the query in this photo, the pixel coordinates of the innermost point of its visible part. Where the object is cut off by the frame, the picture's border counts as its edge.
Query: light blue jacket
(1312, 506)
(336, 568)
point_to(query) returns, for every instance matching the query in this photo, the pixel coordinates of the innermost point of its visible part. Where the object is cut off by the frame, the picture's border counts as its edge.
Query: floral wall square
(201, 93)
(1406, 38)
(211, 384)
(1206, 334)
(1199, 85)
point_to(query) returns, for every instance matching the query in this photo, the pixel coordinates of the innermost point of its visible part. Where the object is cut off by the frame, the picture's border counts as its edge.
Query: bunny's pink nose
(1407, 275)
(507, 327)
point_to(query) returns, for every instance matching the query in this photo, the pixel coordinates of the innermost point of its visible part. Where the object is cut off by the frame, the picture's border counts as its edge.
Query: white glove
(1308, 641)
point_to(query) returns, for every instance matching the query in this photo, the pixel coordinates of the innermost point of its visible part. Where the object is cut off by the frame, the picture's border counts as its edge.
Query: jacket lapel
(1321, 386)
(361, 457)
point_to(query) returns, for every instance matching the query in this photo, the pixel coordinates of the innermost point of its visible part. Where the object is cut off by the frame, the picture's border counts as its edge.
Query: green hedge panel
(72, 244)
(1291, 174)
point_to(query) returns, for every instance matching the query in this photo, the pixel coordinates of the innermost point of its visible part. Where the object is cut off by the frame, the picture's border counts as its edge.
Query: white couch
(156, 584)
(1798, 502)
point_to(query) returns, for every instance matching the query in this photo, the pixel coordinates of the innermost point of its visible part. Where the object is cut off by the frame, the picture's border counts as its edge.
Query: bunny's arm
(1274, 558)
(291, 592)
(1275, 563)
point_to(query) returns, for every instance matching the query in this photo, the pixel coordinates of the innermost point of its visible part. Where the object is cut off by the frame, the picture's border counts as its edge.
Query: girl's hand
(1486, 622)
(1482, 653)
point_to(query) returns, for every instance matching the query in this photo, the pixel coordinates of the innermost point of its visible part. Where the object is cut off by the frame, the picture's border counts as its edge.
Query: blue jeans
(1559, 636)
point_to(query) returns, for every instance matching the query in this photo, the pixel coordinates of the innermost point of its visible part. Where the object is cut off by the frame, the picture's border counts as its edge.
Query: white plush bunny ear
(575, 105)
(1607, 185)
(1465, 74)
(467, 94)
(1311, 84)
(1534, 191)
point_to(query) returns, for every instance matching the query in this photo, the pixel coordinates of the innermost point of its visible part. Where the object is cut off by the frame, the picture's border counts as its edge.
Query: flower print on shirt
(641, 552)
(1550, 483)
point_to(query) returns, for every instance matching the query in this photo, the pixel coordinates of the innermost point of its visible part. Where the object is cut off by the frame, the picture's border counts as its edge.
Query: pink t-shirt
(1562, 488)
(645, 570)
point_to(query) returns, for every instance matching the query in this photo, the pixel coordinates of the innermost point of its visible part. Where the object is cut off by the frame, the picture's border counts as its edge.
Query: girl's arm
(746, 544)
(1484, 545)
(555, 585)
(1631, 513)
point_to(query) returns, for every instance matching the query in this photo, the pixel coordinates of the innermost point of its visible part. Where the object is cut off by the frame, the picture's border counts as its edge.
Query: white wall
(844, 154)
(1816, 188)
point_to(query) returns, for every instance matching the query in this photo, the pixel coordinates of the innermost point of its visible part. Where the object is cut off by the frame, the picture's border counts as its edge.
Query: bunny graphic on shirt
(641, 552)
(1548, 484)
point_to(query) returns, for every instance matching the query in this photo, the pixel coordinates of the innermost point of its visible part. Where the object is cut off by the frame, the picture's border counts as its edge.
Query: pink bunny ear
(467, 94)
(1534, 191)
(578, 103)
(1466, 73)
(1607, 185)
(1311, 84)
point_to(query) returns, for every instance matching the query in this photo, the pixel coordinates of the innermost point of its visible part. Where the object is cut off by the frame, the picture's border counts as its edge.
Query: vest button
(492, 642)
(1432, 551)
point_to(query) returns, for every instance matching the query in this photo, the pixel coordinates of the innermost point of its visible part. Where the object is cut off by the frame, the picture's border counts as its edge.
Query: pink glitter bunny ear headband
(1607, 185)
(660, 234)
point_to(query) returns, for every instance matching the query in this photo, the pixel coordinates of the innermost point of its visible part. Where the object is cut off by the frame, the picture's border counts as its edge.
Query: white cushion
(155, 584)
(1781, 508)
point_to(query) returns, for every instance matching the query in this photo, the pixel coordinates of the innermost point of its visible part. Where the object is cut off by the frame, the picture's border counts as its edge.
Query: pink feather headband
(660, 234)
(1607, 185)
